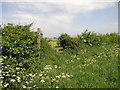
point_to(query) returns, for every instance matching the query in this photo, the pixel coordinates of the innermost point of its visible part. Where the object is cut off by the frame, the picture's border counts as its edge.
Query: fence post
(39, 38)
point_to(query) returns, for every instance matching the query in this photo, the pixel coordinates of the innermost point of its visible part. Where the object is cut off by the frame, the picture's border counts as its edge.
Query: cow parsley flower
(6, 85)
(42, 81)
(12, 80)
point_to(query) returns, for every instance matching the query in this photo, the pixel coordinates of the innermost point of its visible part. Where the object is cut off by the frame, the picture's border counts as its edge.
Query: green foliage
(68, 42)
(94, 65)
(19, 49)
(19, 43)
(110, 38)
(90, 38)
(87, 39)
(45, 48)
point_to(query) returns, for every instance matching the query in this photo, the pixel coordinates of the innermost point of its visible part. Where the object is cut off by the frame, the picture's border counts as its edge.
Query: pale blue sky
(63, 17)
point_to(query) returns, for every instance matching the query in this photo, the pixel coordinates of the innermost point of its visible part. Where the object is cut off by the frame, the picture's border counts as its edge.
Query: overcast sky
(63, 16)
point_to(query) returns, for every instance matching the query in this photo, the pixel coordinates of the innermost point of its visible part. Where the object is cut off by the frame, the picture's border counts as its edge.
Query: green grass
(52, 42)
(52, 39)
(87, 61)
(92, 67)
(87, 67)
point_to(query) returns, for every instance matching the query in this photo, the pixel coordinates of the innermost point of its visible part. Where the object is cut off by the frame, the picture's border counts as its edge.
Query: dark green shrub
(68, 42)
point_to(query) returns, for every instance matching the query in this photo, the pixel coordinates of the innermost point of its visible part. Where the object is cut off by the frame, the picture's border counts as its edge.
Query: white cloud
(69, 6)
(53, 23)
(58, 0)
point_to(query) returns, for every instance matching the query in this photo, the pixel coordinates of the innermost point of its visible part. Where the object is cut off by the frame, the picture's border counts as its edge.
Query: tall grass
(85, 67)
(91, 67)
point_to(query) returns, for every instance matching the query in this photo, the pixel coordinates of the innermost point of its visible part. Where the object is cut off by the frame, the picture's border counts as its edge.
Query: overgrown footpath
(89, 60)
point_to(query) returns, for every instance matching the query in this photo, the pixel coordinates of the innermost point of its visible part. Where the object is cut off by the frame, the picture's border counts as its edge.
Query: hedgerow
(19, 49)
(87, 39)
(80, 65)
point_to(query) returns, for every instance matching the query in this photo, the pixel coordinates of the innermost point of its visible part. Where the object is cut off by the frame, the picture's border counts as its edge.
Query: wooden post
(39, 38)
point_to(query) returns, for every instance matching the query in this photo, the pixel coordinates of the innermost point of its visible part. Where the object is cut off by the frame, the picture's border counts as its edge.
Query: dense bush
(18, 44)
(90, 38)
(68, 42)
(87, 39)
(19, 50)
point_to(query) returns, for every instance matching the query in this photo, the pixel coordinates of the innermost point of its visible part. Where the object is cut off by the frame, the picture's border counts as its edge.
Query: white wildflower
(17, 68)
(24, 86)
(8, 65)
(27, 82)
(48, 67)
(1, 77)
(6, 85)
(5, 67)
(34, 85)
(42, 81)
(18, 79)
(40, 74)
(12, 80)
(82, 37)
(1, 62)
(64, 76)
(47, 77)
(18, 72)
(57, 76)
(30, 81)
(30, 74)
(57, 87)
(59, 67)
(68, 75)
(53, 80)
(90, 44)
(4, 57)
(14, 75)
(55, 66)
(84, 40)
